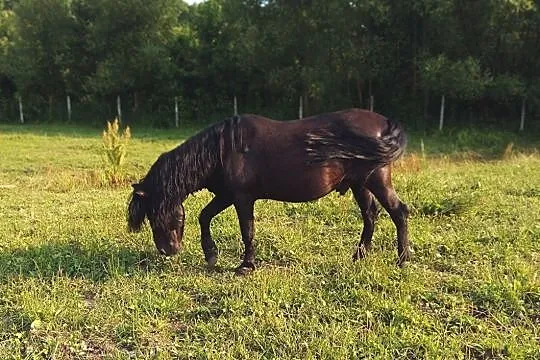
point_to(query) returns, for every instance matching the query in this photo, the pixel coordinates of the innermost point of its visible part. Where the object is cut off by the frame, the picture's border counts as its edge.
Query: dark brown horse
(250, 157)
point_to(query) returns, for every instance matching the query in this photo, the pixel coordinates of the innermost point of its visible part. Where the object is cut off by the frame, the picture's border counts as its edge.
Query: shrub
(115, 144)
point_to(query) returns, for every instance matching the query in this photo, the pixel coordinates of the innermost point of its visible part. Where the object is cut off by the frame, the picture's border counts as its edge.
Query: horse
(249, 157)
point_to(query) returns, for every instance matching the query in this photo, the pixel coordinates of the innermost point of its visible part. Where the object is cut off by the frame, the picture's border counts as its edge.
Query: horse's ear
(138, 190)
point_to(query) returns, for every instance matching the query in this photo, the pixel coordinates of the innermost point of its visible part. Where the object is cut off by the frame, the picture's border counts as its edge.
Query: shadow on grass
(97, 264)
(527, 192)
(76, 261)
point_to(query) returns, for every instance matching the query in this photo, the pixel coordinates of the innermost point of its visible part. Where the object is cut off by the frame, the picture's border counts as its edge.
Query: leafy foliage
(506, 88)
(483, 55)
(463, 79)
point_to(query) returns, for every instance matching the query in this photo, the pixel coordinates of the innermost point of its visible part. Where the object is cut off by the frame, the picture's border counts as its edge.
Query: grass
(74, 284)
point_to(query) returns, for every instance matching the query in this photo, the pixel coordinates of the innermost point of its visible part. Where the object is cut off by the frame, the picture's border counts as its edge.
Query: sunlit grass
(75, 284)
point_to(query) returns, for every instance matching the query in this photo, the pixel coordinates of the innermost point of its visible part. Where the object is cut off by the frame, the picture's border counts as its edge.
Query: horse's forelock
(136, 212)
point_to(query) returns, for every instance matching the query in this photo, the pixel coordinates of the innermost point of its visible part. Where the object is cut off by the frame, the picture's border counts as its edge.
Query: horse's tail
(136, 211)
(337, 142)
(392, 143)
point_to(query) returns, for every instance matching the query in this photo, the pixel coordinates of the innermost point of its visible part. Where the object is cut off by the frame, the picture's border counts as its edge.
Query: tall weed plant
(115, 144)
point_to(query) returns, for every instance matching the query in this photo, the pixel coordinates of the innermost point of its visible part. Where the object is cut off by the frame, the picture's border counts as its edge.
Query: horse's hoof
(360, 253)
(403, 259)
(245, 269)
(212, 261)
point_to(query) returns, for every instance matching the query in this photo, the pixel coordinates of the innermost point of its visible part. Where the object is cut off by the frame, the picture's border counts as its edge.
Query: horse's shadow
(75, 260)
(96, 263)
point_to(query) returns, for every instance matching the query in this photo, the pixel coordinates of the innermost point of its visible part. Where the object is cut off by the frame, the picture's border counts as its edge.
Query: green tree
(40, 58)
(7, 87)
(515, 33)
(129, 42)
(483, 55)
(462, 79)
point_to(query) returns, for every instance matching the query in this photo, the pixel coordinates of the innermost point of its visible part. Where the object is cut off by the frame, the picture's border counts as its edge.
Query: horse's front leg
(244, 209)
(214, 207)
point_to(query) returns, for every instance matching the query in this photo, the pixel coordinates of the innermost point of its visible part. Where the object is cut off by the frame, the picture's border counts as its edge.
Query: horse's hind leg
(367, 205)
(380, 184)
(214, 207)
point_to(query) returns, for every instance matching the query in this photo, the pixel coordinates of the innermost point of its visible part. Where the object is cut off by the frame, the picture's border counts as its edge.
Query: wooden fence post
(21, 112)
(176, 116)
(118, 108)
(522, 122)
(441, 118)
(68, 101)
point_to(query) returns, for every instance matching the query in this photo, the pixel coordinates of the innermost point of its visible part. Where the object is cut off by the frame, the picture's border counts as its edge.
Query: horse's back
(359, 121)
(276, 139)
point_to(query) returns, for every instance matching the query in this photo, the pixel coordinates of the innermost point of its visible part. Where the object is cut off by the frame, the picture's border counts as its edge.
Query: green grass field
(74, 284)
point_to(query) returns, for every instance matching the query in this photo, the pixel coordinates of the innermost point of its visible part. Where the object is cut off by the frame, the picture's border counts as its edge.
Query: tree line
(404, 58)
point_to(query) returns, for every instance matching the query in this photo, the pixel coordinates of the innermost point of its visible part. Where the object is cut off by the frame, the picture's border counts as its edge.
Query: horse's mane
(183, 170)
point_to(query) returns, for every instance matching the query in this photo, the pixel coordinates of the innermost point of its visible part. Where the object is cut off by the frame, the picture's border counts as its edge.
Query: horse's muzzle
(168, 242)
(169, 250)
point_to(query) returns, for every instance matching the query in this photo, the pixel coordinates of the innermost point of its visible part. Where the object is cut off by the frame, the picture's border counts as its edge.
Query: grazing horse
(249, 157)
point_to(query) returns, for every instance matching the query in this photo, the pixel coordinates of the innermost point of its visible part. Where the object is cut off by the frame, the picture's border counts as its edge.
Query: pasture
(75, 284)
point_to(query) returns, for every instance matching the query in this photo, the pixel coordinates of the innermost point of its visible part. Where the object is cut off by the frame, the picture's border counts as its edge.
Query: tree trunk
(522, 122)
(415, 47)
(301, 108)
(50, 107)
(235, 106)
(441, 118)
(360, 94)
(426, 105)
(371, 98)
(135, 101)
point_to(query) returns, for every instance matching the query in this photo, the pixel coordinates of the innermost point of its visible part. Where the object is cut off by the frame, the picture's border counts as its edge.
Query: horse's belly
(301, 186)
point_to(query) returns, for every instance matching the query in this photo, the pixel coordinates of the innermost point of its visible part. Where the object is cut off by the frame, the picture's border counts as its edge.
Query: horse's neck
(199, 164)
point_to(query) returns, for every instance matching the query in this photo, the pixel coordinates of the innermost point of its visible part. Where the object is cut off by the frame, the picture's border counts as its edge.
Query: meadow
(74, 284)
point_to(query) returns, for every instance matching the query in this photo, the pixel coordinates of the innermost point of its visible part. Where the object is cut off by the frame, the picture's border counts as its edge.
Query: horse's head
(167, 226)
